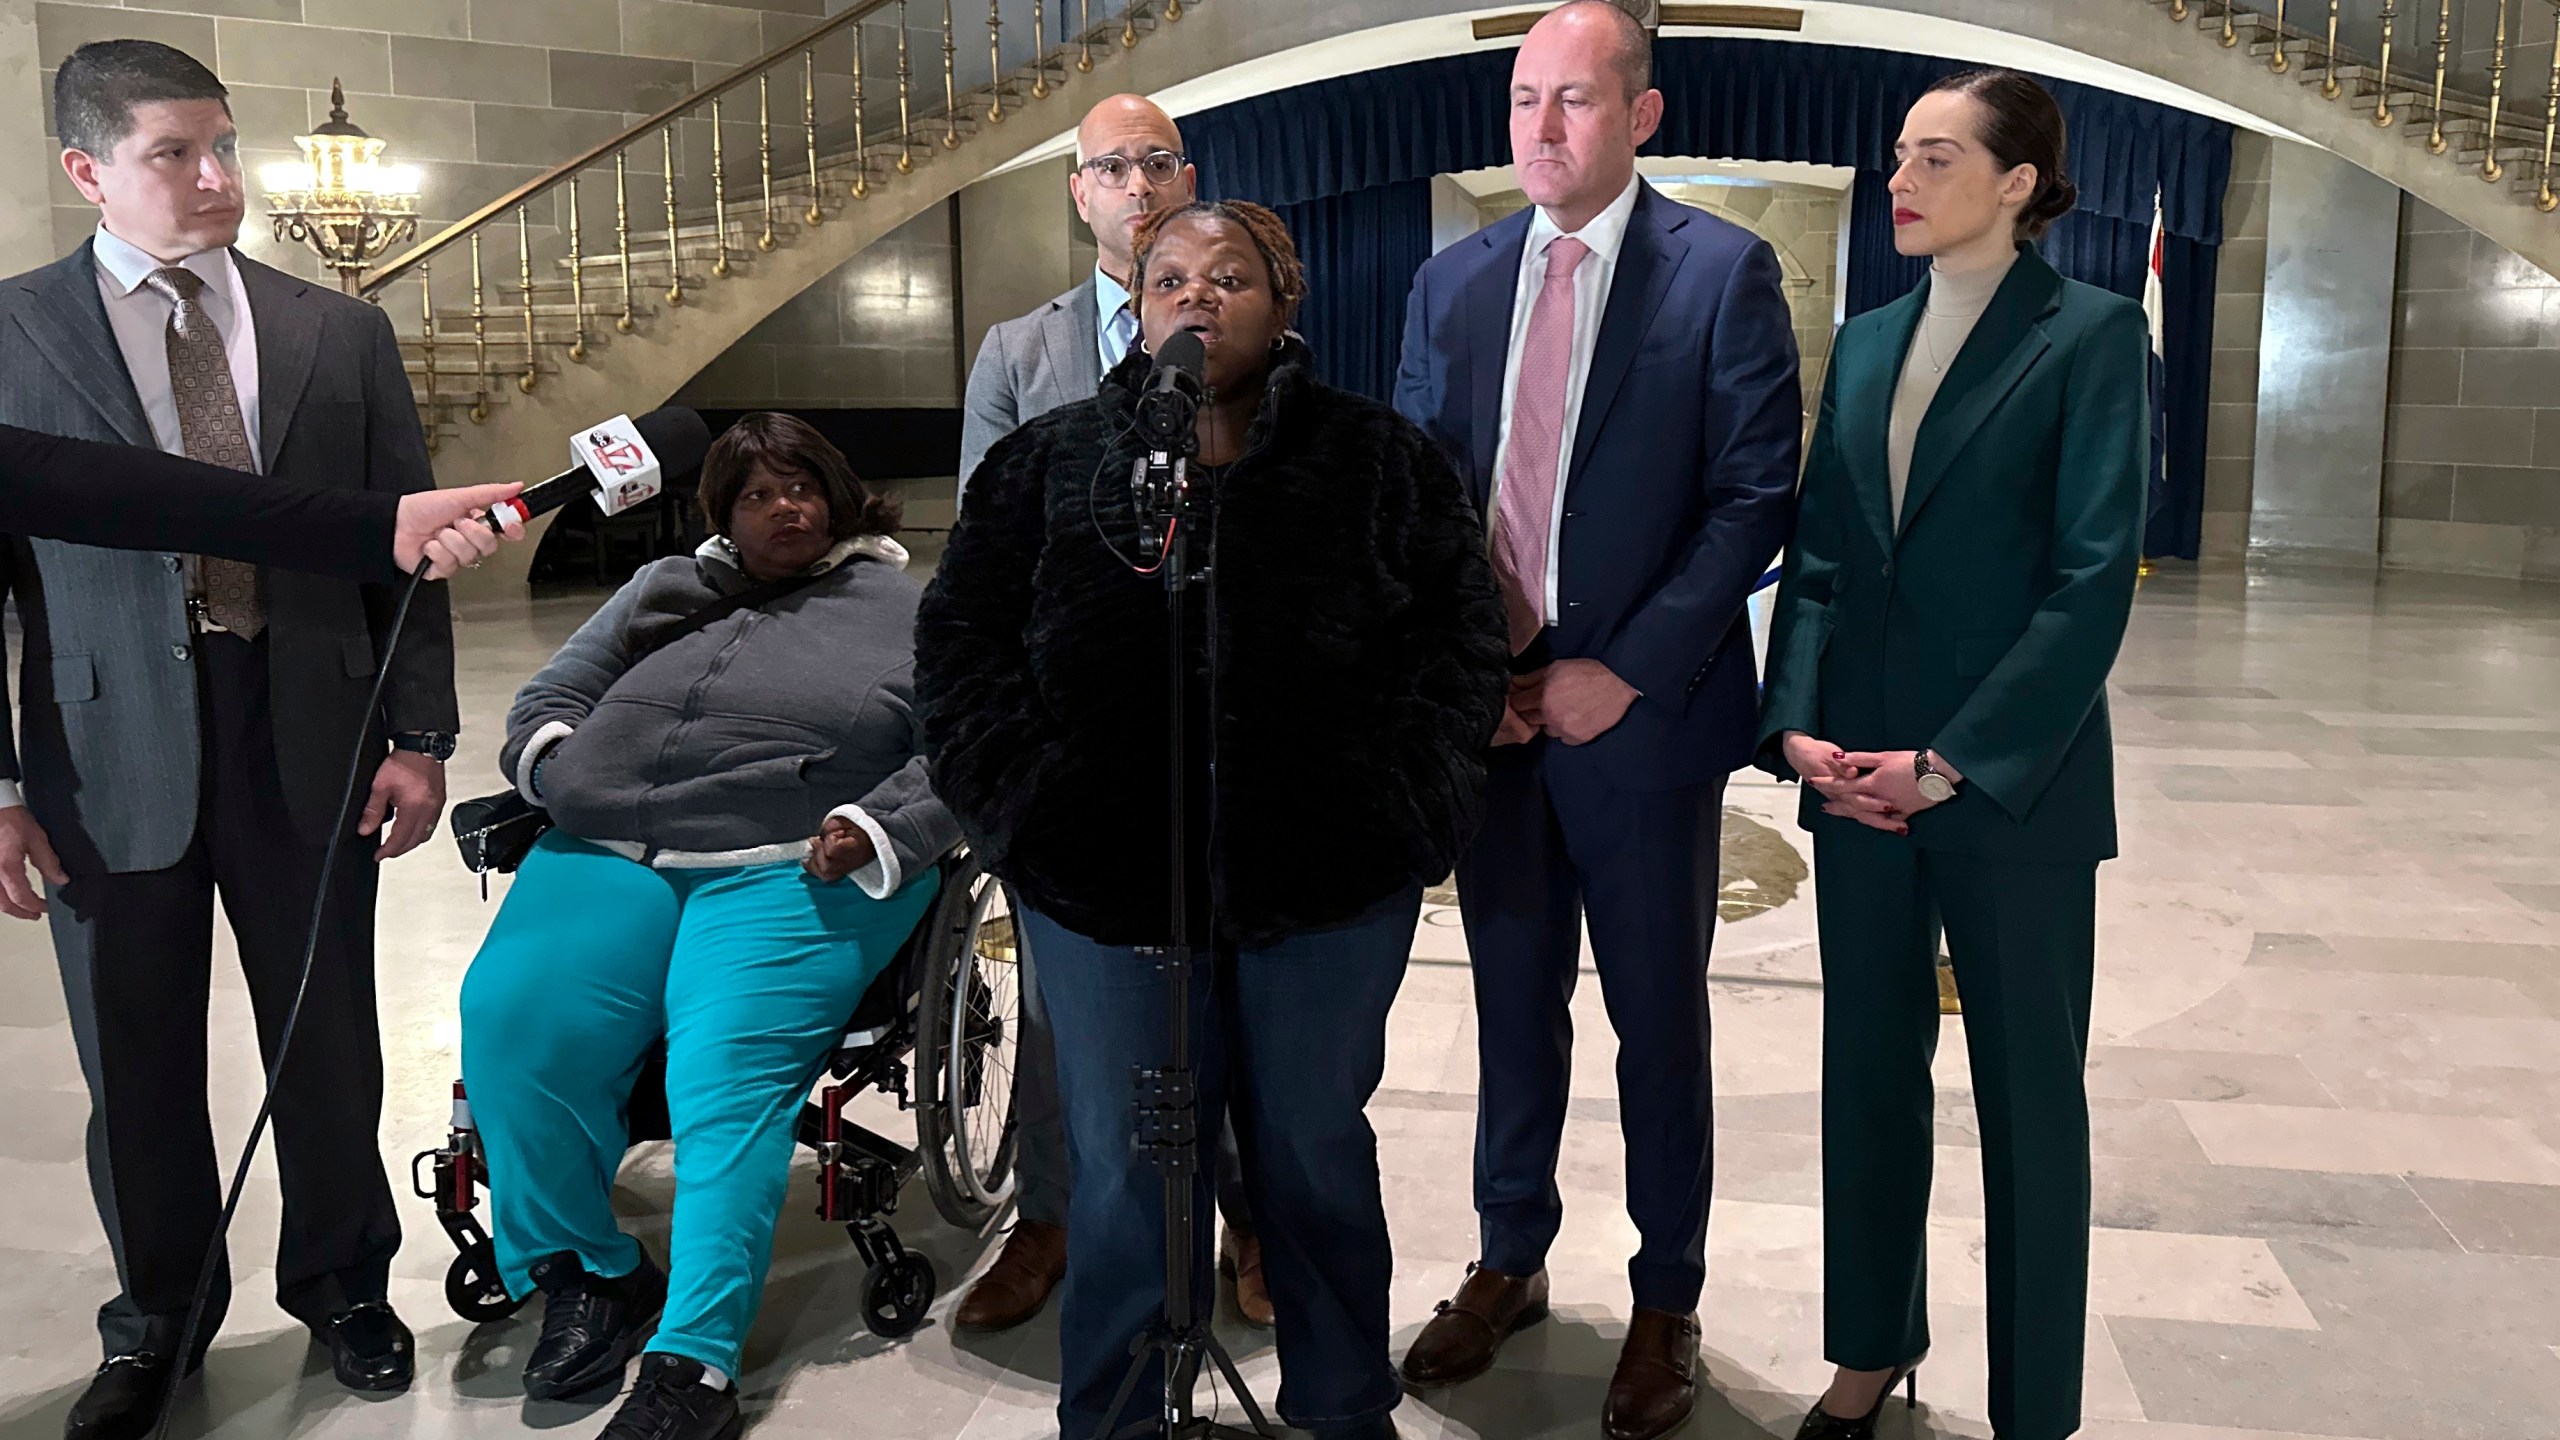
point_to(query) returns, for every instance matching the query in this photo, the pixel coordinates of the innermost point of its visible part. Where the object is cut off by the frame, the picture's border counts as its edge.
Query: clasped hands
(1575, 701)
(1877, 788)
(838, 849)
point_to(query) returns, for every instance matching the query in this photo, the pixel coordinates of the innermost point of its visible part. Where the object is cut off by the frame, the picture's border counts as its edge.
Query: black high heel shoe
(1821, 1424)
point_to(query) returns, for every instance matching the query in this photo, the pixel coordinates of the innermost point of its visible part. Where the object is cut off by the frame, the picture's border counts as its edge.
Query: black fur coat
(1360, 662)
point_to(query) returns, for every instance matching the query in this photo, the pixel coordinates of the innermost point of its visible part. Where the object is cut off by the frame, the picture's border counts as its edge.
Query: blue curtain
(1878, 273)
(2099, 250)
(1749, 99)
(2188, 271)
(1361, 250)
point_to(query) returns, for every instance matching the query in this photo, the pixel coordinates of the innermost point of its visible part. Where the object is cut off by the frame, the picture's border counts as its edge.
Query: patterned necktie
(210, 427)
(1526, 511)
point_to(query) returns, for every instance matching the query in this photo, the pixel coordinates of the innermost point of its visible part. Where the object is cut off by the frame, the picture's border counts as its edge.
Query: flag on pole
(2155, 308)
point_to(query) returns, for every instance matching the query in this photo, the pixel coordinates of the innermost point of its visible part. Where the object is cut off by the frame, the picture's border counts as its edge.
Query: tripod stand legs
(1182, 1356)
(1168, 1129)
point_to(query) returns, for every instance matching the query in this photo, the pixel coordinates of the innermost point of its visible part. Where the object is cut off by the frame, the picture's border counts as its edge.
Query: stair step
(465, 359)
(509, 311)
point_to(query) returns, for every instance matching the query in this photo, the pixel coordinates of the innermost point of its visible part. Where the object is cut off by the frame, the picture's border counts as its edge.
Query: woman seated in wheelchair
(743, 838)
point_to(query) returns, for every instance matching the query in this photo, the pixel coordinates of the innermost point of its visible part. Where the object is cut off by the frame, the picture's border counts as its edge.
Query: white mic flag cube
(626, 472)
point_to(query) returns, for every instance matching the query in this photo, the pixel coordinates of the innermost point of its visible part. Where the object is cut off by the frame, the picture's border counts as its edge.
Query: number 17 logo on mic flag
(627, 473)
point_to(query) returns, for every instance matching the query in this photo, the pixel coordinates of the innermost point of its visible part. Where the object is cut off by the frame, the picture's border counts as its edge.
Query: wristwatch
(1935, 787)
(434, 744)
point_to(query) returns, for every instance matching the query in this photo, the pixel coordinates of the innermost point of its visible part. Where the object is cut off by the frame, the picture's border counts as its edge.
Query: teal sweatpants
(748, 973)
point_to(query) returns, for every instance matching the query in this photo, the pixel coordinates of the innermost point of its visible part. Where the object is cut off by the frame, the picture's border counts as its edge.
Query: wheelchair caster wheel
(472, 1288)
(897, 1295)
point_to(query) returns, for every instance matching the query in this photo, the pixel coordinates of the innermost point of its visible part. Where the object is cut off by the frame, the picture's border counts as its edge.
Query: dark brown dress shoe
(1657, 1380)
(1240, 1256)
(1468, 1329)
(1018, 1284)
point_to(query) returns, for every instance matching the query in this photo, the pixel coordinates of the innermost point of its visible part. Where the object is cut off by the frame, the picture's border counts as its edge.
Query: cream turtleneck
(1956, 301)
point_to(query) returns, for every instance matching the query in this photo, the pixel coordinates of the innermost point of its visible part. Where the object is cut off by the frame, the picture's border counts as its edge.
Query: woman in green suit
(1956, 592)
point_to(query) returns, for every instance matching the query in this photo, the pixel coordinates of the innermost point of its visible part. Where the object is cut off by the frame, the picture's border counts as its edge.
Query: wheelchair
(939, 1029)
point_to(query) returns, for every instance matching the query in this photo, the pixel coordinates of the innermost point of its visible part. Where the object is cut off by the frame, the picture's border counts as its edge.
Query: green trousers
(2023, 939)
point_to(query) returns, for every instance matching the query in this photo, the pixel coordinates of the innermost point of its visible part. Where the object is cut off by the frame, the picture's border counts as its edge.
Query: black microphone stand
(1168, 1126)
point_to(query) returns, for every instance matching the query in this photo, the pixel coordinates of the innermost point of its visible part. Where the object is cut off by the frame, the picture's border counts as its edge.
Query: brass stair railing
(2475, 127)
(844, 161)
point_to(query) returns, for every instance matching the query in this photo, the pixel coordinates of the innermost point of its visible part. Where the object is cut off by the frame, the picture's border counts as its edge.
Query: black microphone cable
(217, 1249)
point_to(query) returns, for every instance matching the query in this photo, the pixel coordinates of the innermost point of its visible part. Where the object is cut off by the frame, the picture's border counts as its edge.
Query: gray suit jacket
(108, 736)
(1029, 366)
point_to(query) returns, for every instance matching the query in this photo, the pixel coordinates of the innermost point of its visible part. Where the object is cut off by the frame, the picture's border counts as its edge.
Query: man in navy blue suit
(1615, 373)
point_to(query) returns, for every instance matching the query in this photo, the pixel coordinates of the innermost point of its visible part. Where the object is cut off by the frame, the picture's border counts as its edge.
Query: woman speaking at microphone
(1959, 582)
(1343, 675)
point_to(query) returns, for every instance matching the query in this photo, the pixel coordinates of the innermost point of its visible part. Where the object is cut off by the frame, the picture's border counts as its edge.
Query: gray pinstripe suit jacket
(107, 746)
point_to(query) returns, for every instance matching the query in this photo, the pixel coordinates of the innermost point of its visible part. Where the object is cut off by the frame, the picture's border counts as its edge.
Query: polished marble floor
(2327, 1070)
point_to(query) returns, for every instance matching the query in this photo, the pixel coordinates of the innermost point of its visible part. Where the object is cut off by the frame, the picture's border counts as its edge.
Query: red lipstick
(1906, 217)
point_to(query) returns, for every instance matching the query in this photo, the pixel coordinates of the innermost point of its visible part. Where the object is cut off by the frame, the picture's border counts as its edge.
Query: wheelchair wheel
(896, 1297)
(472, 1288)
(969, 1031)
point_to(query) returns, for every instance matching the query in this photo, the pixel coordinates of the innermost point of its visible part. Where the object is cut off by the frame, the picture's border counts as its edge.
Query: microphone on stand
(622, 463)
(1168, 417)
(1170, 405)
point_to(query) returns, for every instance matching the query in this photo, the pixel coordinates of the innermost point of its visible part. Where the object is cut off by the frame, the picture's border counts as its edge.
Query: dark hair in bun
(2022, 125)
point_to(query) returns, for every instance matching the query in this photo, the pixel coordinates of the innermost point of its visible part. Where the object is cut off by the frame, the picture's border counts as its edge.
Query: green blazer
(1985, 629)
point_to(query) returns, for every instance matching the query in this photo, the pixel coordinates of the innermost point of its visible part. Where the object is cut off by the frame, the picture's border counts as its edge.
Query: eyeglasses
(1159, 166)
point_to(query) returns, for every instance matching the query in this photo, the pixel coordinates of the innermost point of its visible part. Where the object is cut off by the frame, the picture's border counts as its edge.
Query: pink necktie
(1525, 513)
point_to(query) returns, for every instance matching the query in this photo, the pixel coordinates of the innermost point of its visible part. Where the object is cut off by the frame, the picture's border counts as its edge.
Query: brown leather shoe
(1468, 1329)
(1018, 1284)
(1240, 1256)
(1657, 1379)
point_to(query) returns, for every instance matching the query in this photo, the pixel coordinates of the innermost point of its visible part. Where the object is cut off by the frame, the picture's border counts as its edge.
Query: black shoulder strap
(754, 597)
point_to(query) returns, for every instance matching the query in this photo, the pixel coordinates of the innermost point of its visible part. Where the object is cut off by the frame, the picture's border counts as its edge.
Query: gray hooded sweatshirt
(733, 745)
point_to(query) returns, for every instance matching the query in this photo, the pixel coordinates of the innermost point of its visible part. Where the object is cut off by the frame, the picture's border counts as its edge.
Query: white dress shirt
(1115, 325)
(140, 317)
(1606, 235)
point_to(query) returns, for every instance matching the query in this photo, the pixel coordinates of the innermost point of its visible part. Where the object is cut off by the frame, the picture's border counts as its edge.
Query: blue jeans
(747, 973)
(1289, 1042)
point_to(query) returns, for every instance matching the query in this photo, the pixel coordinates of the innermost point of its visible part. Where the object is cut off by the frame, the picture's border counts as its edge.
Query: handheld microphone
(622, 463)
(1170, 405)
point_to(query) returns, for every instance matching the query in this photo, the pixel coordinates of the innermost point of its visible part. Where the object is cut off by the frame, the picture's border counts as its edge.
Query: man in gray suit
(185, 725)
(1129, 164)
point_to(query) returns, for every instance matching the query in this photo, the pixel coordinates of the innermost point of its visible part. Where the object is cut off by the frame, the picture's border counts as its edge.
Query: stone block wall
(880, 332)
(481, 94)
(2471, 458)
(2239, 307)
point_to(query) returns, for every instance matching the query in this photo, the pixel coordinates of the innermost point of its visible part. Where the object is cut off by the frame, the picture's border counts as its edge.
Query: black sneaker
(590, 1325)
(672, 1403)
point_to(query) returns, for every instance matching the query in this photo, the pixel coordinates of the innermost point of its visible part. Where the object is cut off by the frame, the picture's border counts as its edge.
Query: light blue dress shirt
(1116, 325)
